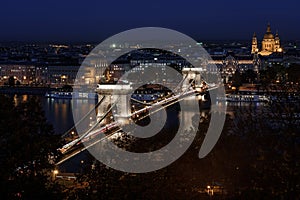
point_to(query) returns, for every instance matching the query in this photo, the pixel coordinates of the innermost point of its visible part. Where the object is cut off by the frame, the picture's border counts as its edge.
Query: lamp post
(54, 174)
(210, 191)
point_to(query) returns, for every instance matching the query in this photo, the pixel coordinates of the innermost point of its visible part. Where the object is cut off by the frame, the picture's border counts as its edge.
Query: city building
(22, 73)
(270, 43)
(62, 75)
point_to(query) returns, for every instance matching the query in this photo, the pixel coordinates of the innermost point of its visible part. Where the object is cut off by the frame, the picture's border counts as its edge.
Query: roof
(268, 34)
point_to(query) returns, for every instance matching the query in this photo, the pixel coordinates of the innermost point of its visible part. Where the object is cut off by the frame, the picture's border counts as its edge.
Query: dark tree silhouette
(294, 73)
(249, 76)
(237, 80)
(11, 81)
(27, 144)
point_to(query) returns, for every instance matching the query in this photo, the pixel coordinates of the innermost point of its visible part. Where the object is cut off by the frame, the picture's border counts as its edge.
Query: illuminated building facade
(270, 43)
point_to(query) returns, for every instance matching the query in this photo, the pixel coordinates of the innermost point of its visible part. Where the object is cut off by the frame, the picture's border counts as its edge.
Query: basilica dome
(268, 34)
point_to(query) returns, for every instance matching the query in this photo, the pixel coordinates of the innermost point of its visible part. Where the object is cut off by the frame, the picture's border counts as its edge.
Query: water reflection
(58, 111)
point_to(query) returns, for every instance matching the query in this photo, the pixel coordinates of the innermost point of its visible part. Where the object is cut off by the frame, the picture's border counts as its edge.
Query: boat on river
(245, 98)
(70, 95)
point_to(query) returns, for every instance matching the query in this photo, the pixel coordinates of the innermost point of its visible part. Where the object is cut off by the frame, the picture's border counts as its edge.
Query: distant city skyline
(81, 21)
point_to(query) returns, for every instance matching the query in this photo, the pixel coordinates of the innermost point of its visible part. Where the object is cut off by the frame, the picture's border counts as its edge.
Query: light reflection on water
(59, 111)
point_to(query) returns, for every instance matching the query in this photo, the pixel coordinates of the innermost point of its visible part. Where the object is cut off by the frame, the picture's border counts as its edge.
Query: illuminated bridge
(114, 110)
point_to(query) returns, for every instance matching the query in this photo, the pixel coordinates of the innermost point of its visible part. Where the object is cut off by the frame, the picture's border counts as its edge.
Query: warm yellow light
(55, 172)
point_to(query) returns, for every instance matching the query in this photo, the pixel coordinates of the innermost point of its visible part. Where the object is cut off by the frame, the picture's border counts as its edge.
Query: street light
(210, 190)
(55, 172)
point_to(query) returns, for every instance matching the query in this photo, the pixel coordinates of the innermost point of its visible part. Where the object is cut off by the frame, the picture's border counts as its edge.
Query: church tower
(254, 44)
(277, 43)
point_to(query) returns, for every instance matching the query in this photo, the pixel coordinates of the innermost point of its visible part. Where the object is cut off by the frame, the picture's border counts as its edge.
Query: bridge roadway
(75, 147)
(73, 128)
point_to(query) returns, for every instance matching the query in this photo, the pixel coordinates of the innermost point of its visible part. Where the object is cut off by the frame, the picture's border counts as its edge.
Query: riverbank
(29, 90)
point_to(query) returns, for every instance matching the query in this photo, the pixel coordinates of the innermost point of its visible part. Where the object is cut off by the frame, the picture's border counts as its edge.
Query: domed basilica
(269, 44)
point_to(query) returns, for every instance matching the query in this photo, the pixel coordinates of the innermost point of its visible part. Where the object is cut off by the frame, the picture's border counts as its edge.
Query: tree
(272, 156)
(27, 142)
(249, 76)
(294, 73)
(11, 81)
(18, 83)
(237, 79)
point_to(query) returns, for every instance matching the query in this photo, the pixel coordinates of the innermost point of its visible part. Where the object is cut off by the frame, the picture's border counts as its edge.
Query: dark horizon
(74, 21)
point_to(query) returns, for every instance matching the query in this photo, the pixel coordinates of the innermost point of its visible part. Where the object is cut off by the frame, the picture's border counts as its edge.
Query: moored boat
(71, 95)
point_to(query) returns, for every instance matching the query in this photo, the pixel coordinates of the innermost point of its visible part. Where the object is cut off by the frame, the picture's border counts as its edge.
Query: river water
(59, 111)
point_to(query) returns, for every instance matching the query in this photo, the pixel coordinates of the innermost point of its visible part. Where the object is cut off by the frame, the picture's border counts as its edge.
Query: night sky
(91, 20)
